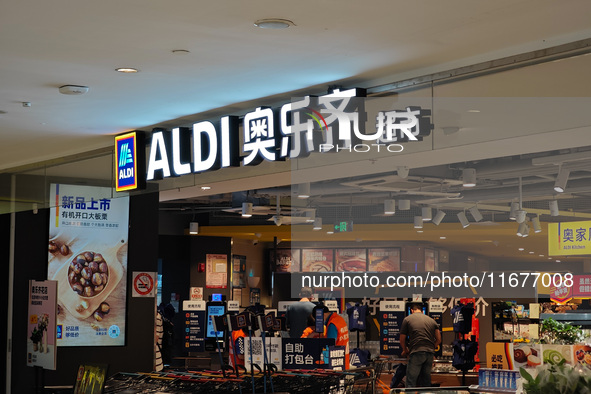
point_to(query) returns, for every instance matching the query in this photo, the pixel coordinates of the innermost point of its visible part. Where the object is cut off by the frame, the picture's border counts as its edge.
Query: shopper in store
(297, 313)
(337, 329)
(419, 337)
(167, 312)
(158, 364)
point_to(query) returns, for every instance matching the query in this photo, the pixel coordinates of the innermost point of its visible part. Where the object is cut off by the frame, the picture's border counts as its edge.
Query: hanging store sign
(329, 123)
(129, 161)
(570, 238)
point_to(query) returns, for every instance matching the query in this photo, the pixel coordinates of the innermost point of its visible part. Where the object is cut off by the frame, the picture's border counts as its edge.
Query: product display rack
(293, 381)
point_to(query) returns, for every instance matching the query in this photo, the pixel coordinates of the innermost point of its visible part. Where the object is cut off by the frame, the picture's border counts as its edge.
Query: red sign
(582, 286)
(561, 294)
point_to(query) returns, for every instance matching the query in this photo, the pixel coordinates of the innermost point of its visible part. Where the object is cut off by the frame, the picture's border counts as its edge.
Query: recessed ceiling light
(531, 252)
(273, 23)
(541, 255)
(127, 70)
(419, 231)
(330, 232)
(474, 111)
(558, 261)
(442, 237)
(205, 187)
(521, 249)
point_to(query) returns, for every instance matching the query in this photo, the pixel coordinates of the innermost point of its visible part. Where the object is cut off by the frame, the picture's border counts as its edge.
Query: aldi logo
(127, 161)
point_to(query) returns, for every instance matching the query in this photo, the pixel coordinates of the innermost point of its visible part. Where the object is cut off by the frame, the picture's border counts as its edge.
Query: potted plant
(558, 379)
(554, 332)
(36, 336)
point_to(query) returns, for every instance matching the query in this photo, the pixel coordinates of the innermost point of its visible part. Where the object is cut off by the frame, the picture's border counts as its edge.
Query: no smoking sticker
(144, 284)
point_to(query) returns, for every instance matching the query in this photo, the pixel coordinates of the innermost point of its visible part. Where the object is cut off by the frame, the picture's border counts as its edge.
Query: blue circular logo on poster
(114, 331)
(385, 332)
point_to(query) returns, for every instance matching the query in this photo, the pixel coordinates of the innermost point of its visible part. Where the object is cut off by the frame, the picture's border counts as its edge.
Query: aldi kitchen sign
(129, 162)
(331, 123)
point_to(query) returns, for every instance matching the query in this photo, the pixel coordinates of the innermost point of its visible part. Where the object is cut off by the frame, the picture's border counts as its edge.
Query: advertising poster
(384, 260)
(582, 286)
(583, 355)
(216, 271)
(87, 255)
(350, 260)
(238, 270)
(499, 355)
(288, 260)
(317, 260)
(526, 355)
(430, 260)
(41, 330)
(556, 353)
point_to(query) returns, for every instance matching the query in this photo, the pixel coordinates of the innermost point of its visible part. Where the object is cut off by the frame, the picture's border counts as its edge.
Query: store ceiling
(230, 62)
(231, 66)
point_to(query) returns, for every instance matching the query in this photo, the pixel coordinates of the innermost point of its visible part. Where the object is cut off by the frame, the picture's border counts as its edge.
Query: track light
(463, 219)
(402, 172)
(427, 214)
(526, 232)
(310, 216)
(246, 209)
(554, 208)
(522, 229)
(193, 228)
(561, 179)
(389, 207)
(520, 216)
(513, 211)
(304, 190)
(469, 177)
(536, 223)
(418, 222)
(438, 217)
(404, 205)
(317, 224)
(476, 213)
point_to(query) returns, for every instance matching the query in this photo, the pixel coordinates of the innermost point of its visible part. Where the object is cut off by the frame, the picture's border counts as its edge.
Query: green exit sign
(343, 227)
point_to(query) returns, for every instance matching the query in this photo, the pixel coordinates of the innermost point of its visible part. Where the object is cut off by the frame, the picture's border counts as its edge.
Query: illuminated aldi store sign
(330, 123)
(129, 162)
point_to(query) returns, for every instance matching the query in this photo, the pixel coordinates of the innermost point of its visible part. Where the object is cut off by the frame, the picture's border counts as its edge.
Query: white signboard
(392, 306)
(272, 347)
(196, 293)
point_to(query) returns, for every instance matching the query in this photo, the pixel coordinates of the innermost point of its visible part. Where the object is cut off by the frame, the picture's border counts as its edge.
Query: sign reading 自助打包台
(569, 238)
